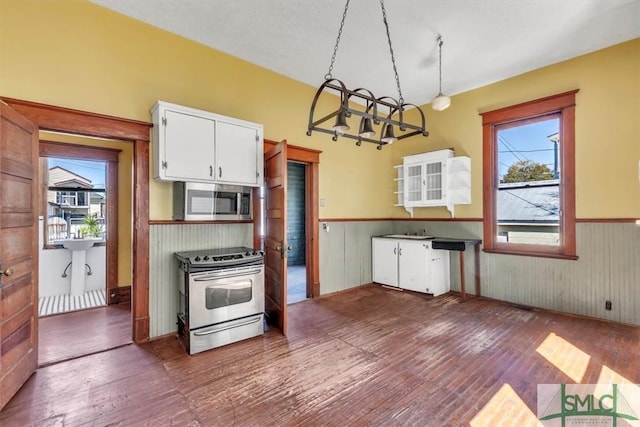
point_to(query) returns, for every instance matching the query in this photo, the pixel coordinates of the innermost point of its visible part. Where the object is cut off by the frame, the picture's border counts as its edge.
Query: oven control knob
(255, 253)
(197, 259)
(206, 257)
(248, 253)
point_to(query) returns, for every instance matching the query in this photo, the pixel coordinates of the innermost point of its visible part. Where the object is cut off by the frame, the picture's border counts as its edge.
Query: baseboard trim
(119, 295)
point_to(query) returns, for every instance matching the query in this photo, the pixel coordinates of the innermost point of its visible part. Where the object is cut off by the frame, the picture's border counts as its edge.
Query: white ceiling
(484, 40)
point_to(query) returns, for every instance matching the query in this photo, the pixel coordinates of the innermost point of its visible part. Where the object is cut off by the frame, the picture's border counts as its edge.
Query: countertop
(446, 243)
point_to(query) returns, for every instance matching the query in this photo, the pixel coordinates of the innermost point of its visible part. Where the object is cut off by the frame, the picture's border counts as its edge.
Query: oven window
(218, 296)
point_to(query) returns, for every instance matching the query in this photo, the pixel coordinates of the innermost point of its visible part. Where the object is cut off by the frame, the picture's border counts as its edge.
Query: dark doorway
(296, 237)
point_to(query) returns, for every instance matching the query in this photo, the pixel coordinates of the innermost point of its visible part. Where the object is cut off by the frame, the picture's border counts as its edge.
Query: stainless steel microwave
(194, 201)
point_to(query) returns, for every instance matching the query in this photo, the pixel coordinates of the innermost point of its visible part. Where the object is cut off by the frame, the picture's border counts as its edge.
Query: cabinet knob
(210, 170)
(7, 272)
(219, 171)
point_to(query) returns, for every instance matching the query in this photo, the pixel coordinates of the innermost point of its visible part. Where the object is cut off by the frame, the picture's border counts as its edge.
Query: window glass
(75, 199)
(528, 199)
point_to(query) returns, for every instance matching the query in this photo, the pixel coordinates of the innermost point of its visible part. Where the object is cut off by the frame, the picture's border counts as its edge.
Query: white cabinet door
(433, 180)
(439, 281)
(385, 261)
(413, 265)
(186, 147)
(413, 186)
(237, 154)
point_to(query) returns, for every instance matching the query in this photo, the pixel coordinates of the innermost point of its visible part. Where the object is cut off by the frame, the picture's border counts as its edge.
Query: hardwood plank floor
(369, 356)
(70, 335)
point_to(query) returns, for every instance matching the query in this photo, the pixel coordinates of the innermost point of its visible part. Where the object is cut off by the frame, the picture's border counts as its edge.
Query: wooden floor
(370, 356)
(70, 335)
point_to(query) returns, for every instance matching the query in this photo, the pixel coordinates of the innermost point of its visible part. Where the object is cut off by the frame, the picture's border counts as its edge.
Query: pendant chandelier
(385, 111)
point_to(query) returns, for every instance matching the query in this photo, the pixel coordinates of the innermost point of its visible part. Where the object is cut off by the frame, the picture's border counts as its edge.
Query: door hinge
(164, 121)
(257, 138)
(257, 174)
(164, 164)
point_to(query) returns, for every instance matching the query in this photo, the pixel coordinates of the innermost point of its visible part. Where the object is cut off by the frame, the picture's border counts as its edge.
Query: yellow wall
(76, 54)
(607, 129)
(125, 186)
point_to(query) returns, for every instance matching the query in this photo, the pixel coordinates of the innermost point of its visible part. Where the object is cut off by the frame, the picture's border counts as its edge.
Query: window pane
(434, 181)
(528, 199)
(414, 183)
(74, 214)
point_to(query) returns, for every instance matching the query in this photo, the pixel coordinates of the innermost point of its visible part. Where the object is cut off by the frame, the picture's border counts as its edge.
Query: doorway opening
(72, 259)
(308, 161)
(83, 192)
(296, 233)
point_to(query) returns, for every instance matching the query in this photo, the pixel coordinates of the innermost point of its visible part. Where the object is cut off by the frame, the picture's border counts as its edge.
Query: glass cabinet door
(433, 181)
(413, 184)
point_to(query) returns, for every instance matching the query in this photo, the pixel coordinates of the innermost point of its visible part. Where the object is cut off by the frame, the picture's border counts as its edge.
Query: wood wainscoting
(366, 356)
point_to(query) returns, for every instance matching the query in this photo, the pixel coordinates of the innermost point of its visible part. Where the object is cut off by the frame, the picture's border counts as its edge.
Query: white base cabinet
(410, 264)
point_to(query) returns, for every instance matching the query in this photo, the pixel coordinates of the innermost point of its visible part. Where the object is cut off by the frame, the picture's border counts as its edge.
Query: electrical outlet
(607, 305)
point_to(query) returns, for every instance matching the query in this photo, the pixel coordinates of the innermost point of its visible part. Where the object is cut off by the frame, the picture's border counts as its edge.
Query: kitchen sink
(406, 236)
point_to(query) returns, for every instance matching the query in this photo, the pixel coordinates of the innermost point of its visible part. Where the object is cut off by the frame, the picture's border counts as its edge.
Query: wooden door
(275, 244)
(18, 251)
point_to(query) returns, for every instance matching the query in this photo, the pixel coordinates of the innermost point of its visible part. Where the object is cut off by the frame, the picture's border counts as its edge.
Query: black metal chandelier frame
(372, 105)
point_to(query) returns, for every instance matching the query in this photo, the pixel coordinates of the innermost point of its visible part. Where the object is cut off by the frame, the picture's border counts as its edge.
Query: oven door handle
(220, 275)
(213, 330)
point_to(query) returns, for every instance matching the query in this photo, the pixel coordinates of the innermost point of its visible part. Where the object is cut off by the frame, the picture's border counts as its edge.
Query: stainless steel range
(221, 297)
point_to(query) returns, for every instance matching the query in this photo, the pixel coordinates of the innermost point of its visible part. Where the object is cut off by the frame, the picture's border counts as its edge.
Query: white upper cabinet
(198, 146)
(436, 178)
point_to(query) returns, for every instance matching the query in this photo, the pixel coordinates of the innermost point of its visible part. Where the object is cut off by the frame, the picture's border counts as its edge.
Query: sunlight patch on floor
(505, 408)
(565, 356)
(630, 390)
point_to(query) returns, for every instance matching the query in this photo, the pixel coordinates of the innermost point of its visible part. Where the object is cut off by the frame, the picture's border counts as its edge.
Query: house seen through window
(75, 199)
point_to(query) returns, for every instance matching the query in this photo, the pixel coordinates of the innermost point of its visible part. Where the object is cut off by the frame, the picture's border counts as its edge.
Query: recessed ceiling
(484, 41)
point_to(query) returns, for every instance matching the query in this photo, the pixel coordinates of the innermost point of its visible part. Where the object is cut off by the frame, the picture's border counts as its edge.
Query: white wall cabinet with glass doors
(198, 146)
(431, 179)
(411, 265)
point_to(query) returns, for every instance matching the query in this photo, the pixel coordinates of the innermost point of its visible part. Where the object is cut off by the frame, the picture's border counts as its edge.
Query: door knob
(7, 272)
(289, 247)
